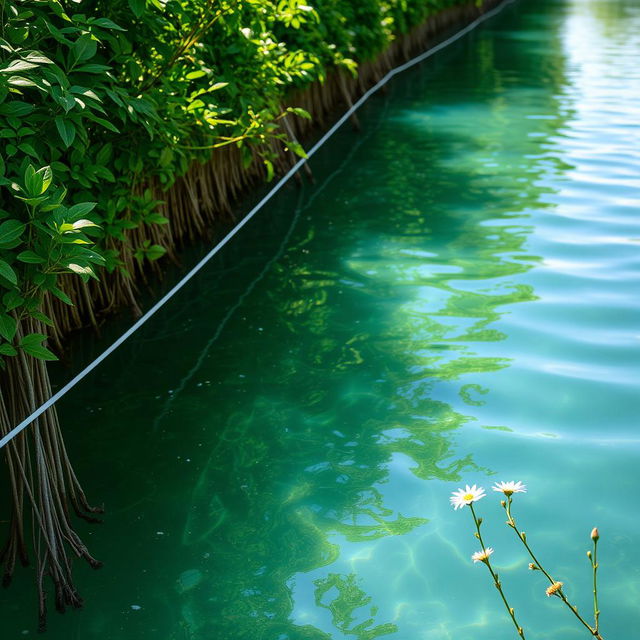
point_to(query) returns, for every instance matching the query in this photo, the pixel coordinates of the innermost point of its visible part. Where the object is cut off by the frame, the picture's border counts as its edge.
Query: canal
(454, 300)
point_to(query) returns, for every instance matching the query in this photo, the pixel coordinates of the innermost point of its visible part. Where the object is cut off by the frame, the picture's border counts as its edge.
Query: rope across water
(146, 316)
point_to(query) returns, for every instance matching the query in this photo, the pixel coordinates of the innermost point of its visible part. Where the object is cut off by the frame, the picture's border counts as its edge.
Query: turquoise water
(455, 300)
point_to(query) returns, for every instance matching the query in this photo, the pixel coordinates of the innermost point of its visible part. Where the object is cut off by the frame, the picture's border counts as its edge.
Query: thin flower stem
(494, 575)
(522, 537)
(594, 564)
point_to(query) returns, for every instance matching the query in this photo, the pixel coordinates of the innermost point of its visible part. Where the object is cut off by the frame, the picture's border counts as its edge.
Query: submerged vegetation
(128, 127)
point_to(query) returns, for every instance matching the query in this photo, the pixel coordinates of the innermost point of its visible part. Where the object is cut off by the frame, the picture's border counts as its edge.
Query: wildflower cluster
(471, 494)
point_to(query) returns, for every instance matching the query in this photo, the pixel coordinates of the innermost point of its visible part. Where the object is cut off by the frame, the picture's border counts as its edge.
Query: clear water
(454, 301)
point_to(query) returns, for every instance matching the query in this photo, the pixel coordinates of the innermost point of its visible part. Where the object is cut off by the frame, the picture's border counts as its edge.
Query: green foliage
(99, 99)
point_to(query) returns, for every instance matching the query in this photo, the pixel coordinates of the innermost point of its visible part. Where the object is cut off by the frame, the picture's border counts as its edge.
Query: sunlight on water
(455, 300)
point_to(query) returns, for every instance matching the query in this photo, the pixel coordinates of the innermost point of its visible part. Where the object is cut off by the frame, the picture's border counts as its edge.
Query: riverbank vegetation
(127, 128)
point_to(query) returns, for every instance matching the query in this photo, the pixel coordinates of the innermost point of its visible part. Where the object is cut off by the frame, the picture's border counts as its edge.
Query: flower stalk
(595, 536)
(556, 587)
(484, 557)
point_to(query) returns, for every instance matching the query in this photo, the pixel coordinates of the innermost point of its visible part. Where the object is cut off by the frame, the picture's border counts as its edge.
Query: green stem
(594, 564)
(522, 537)
(494, 575)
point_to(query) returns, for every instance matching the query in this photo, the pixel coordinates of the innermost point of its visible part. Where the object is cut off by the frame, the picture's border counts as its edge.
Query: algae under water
(454, 301)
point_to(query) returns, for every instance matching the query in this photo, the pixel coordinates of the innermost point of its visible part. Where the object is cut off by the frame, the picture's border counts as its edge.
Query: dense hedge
(100, 97)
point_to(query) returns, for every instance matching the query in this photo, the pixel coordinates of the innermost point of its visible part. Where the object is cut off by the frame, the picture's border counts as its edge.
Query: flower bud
(533, 567)
(503, 503)
(479, 521)
(589, 555)
(554, 589)
(595, 536)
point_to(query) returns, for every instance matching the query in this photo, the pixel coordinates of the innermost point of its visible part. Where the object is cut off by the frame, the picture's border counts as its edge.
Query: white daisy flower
(461, 497)
(509, 488)
(482, 556)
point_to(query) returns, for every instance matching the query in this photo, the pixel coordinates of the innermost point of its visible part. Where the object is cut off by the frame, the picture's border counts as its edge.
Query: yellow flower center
(507, 492)
(468, 496)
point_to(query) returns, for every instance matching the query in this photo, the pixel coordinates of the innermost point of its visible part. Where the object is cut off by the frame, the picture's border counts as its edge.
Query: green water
(455, 300)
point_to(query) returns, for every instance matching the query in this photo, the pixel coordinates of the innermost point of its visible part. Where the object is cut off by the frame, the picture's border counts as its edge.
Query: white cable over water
(107, 352)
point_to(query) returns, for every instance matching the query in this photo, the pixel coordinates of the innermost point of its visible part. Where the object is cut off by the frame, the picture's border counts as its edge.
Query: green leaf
(18, 34)
(80, 270)
(166, 156)
(66, 129)
(37, 58)
(47, 177)
(12, 300)
(8, 326)
(104, 155)
(19, 81)
(137, 6)
(269, 165)
(18, 65)
(58, 293)
(10, 230)
(196, 104)
(297, 148)
(303, 113)
(87, 93)
(29, 150)
(105, 123)
(38, 315)
(7, 272)
(30, 257)
(7, 350)
(93, 68)
(33, 201)
(105, 23)
(83, 223)
(84, 47)
(32, 345)
(156, 218)
(155, 251)
(78, 210)
(104, 173)
(67, 102)
(16, 109)
(32, 181)
(84, 255)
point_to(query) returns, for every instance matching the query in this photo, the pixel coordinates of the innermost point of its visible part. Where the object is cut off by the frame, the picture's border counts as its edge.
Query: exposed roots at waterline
(44, 488)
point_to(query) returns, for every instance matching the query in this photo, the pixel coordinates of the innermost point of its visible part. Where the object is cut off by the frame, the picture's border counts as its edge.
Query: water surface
(455, 300)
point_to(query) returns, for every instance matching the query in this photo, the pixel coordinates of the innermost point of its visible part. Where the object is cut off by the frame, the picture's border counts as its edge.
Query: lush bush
(100, 97)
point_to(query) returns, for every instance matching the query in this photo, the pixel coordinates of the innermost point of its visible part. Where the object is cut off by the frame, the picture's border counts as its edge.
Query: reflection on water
(454, 298)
